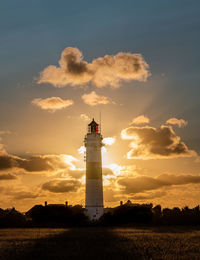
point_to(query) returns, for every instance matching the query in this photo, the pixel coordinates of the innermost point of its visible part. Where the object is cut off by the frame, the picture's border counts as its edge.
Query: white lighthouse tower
(94, 185)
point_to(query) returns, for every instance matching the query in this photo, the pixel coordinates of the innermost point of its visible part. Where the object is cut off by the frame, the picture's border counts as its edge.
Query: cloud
(84, 117)
(109, 70)
(53, 103)
(7, 161)
(140, 120)
(36, 163)
(149, 196)
(76, 174)
(144, 183)
(25, 195)
(82, 150)
(7, 176)
(107, 171)
(117, 169)
(179, 122)
(71, 174)
(60, 186)
(92, 99)
(69, 160)
(108, 140)
(149, 143)
(80, 173)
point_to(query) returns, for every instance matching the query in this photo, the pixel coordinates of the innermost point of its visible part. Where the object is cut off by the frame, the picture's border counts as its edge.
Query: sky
(65, 62)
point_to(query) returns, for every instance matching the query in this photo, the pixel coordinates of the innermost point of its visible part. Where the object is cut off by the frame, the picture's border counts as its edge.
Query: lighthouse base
(94, 213)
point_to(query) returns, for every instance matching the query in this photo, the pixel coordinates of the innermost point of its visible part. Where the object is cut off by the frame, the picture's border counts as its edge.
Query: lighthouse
(94, 185)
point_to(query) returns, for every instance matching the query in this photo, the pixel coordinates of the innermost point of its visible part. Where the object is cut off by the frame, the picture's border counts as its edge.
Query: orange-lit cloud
(53, 103)
(149, 195)
(80, 173)
(140, 120)
(37, 163)
(93, 99)
(7, 176)
(41, 163)
(109, 70)
(20, 192)
(145, 183)
(107, 171)
(76, 174)
(60, 186)
(20, 195)
(149, 143)
(178, 122)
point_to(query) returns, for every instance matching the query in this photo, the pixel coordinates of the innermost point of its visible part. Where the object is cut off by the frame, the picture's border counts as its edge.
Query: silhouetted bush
(128, 213)
(176, 216)
(12, 218)
(57, 214)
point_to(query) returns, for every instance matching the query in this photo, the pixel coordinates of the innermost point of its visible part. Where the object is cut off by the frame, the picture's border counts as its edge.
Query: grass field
(100, 243)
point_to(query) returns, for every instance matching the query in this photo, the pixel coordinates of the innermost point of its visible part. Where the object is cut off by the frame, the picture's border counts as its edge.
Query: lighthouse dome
(93, 127)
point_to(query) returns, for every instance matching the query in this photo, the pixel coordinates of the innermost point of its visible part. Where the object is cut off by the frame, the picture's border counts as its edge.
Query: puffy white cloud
(140, 120)
(53, 103)
(93, 99)
(109, 70)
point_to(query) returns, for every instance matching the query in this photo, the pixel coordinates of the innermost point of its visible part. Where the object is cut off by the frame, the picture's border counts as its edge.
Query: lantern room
(93, 127)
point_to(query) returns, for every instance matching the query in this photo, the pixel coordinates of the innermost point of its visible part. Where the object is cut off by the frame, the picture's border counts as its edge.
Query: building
(94, 184)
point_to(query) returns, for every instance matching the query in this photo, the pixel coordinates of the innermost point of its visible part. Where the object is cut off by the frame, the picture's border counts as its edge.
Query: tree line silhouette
(56, 215)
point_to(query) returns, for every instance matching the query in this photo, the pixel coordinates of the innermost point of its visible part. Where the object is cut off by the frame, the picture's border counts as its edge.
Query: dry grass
(99, 243)
(161, 244)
